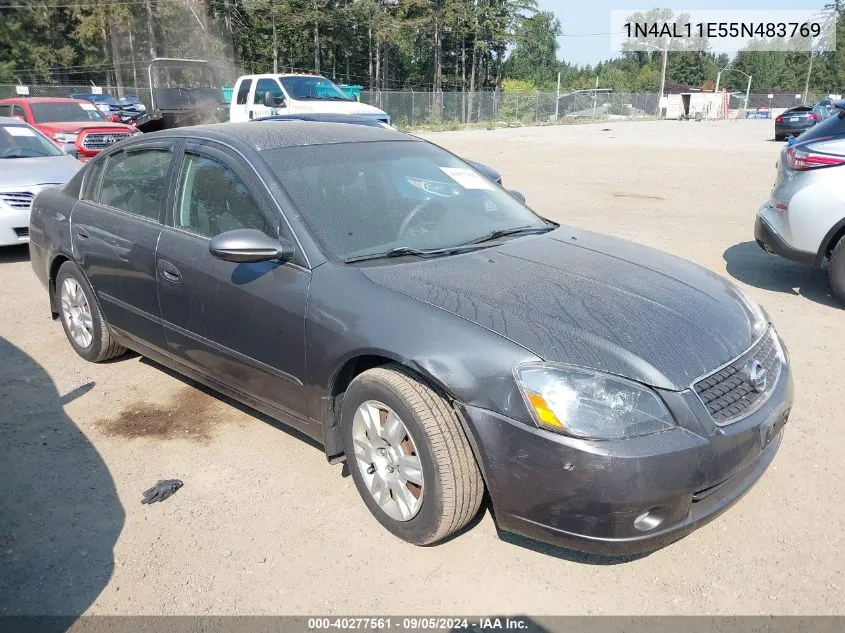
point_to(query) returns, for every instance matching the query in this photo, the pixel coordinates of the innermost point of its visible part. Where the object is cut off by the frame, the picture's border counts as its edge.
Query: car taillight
(804, 158)
(779, 119)
(814, 117)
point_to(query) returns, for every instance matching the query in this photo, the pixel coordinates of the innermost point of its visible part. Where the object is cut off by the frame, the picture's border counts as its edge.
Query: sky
(593, 16)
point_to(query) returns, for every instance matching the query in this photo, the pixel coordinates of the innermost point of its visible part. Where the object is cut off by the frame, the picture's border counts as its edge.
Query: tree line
(434, 45)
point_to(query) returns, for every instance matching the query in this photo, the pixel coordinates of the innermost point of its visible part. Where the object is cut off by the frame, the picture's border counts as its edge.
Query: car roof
(43, 99)
(281, 134)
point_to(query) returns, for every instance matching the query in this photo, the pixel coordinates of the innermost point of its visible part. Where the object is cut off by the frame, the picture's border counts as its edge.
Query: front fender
(349, 316)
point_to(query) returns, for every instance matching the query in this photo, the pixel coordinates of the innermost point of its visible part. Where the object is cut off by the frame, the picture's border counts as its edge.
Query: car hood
(74, 126)
(576, 297)
(24, 173)
(326, 106)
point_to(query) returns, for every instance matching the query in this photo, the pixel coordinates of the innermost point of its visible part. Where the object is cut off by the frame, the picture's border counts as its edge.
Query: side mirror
(272, 101)
(249, 245)
(70, 149)
(517, 194)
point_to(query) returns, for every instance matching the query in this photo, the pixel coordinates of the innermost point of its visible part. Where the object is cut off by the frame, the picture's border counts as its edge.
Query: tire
(836, 270)
(452, 487)
(102, 345)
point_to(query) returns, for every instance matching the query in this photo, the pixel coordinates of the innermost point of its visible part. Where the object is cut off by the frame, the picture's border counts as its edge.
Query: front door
(263, 87)
(243, 325)
(114, 231)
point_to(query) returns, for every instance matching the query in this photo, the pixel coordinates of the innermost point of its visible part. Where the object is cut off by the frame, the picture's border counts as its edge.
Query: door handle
(169, 272)
(82, 233)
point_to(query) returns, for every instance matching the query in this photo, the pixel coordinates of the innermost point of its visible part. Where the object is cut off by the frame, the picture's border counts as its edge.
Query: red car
(69, 122)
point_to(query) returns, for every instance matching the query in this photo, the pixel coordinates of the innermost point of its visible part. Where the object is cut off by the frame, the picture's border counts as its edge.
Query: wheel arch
(354, 365)
(836, 233)
(55, 265)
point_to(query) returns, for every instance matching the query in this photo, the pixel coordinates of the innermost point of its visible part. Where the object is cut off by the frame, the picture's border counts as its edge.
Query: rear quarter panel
(49, 230)
(817, 205)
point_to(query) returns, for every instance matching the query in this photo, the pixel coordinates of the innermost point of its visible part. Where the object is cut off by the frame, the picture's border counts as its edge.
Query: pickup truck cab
(258, 96)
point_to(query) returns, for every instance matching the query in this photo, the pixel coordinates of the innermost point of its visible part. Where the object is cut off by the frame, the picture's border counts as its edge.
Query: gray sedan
(29, 162)
(380, 295)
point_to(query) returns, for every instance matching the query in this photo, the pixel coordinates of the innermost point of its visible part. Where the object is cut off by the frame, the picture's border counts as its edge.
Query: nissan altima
(377, 293)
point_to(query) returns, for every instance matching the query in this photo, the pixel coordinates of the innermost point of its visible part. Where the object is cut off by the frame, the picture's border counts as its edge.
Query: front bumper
(14, 226)
(772, 242)
(588, 495)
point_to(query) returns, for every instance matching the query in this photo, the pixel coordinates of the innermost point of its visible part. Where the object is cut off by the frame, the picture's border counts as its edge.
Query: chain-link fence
(411, 108)
(66, 90)
(415, 108)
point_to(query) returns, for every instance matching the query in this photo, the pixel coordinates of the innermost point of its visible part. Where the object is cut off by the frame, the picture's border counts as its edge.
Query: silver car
(804, 218)
(29, 162)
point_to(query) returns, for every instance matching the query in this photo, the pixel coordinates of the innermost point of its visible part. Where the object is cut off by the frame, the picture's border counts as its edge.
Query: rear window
(67, 111)
(832, 126)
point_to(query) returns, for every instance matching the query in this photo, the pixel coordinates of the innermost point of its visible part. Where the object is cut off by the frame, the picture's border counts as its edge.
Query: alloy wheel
(77, 313)
(387, 458)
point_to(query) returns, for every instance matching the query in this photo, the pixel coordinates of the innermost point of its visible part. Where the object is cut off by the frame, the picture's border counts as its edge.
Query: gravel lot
(264, 525)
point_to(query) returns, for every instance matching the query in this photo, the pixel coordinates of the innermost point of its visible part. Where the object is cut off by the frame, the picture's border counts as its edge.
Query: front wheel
(836, 270)
(408, 455)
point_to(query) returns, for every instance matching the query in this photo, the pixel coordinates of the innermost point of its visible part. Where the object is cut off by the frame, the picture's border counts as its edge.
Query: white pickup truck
(258, 96)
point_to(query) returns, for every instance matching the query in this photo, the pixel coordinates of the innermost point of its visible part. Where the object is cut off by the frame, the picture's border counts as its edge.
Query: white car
(259, 96)
(29, 162)
(804, 218)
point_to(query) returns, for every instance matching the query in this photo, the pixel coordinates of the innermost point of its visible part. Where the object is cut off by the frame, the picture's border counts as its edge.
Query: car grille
(102, 140)
(18, 199)
(728, 393)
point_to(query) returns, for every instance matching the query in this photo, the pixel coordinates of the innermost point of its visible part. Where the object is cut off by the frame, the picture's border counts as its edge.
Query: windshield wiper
(519, 230)
(402, 251)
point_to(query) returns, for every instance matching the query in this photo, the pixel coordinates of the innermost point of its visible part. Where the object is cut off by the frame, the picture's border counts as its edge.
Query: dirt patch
(188, 415)
(637, 196)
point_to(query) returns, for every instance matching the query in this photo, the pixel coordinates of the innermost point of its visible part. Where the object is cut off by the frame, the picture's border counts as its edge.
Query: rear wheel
(408, 455)
(836, 270)
(82, 320)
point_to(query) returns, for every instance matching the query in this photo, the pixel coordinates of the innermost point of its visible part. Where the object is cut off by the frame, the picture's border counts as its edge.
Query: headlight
(589, 404)
(65, 137)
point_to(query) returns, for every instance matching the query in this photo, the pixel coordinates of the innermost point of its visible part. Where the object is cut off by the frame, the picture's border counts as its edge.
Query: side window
(213, 200)
(243, 91)
(5, 110)
(267, 85)
(135, 181)
(91, 185)
(18, 111)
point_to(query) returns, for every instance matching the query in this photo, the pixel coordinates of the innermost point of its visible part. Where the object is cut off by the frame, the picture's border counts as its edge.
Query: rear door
(241, 324)
(115, 228)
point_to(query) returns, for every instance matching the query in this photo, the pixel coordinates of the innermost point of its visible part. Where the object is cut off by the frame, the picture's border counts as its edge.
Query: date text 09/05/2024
(417, 623)
(722, 29)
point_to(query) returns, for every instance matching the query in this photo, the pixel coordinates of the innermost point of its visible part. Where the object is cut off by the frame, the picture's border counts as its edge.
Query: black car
(796, 120)
(491, 173)
(375, 292)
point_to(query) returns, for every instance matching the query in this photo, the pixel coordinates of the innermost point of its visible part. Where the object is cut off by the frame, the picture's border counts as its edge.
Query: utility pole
(807, 83)
(595, 96)
(747, 92)
(557, 97)
(663, 74)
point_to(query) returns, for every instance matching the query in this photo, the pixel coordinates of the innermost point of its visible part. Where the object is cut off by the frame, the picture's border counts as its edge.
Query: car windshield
(312, 88)
(21, 141)
(65, 111)
(371, 198)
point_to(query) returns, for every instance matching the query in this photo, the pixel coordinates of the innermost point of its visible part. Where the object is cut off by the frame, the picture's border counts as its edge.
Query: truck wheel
(408, 455)
(836, 270)
(84, 324)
